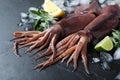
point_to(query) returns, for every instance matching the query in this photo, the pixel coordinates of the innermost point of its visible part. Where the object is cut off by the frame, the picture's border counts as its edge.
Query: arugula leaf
(44, 19)
(116, 38)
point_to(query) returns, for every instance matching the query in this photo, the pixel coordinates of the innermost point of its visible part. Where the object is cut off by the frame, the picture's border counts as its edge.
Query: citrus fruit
(53, 9)
(105, 44)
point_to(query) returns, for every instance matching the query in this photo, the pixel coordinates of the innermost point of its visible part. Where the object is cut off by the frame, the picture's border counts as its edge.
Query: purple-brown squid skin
(72, 23)
(102, 25)
(77, 29)
(81, 17)
(76, 23)
(105, 22)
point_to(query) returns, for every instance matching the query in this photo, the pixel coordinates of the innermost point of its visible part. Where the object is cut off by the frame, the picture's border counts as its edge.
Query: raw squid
(69, 37)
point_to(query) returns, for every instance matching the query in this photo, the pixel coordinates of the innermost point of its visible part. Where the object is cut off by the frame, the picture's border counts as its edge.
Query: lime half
(105, 44)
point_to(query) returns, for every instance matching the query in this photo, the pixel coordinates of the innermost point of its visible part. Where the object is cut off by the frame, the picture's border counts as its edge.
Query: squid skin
(80, 28)
(105, 22)
(82, 16)
(72, 23)
(76, 23)
(102, 25)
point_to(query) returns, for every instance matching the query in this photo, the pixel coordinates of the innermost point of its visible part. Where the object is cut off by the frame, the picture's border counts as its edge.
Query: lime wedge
(105, 44)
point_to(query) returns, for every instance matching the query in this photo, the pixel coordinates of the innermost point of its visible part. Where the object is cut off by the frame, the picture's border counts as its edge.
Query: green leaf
(36, 22)
(44, 18)
(34, 12)
(115, 35)
(43, 13)
(116, 38)
(40, 28)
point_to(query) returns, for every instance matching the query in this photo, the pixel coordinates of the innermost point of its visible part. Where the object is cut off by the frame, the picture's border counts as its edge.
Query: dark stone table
(13, 67)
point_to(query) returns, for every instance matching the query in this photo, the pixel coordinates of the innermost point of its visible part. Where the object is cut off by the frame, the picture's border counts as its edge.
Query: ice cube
(59, 3)
(23, 15)
(106, 56)
(111, 2)
(66, 3)
(116, 55)
(95, 60)
(84, 2)
(31, 21)
(24, 20)
(118, 76)
(20, 24)
(102, 1)
(118, 2)
(32, 16)
(105, 65)
(69, 9)
(75, 3)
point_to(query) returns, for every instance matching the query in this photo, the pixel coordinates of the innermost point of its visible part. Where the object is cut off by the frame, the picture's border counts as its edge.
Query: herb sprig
(43, 19)
(116, 37)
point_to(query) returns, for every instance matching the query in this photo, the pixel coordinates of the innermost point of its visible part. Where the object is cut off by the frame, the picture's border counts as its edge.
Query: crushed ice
(95, 60)
(67, 5)
(116, 55)
(106, 58)
(118, 76)
(27, 19)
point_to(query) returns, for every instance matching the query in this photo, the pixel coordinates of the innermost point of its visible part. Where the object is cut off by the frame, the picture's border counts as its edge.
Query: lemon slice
(105, 44)
(52, 9)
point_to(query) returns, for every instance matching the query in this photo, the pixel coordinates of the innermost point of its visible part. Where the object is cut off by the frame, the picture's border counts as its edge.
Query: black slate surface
(13, 67)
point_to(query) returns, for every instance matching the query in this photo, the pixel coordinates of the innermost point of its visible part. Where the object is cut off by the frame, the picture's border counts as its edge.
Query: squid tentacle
(77, 31)
(77, 52)
(50, 62)
(38, 43)
(84, 58)
(52, 45)
(15, 48)
(73, 42)
(35, 37)
(23, 33)
(22, 38)
(44, 45)
(67, 44)
(63, 59)
(58, 45)
(28, 44)
(47, 52)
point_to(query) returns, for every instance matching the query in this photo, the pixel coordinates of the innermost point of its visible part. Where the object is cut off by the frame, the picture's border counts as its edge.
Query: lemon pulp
(52, 9)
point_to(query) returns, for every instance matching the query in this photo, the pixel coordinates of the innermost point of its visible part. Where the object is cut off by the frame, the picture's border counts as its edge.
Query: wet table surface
(13, 67)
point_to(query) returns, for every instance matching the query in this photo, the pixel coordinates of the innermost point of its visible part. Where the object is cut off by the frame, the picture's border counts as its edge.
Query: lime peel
(105, 44)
